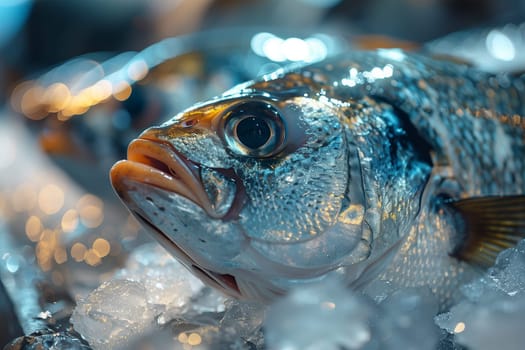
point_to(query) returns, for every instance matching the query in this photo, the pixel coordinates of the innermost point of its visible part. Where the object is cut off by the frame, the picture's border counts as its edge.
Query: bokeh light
(460, 327)
(291, 49)
(32, 103)
(122, 91)
(33, 228)
(138, 69)
(60, 255)
(78, 250)
(57, 97)
(101, 247)
(51, 199)
(91, 257)
(70, 220)
(500, 46)
(91, 210)
(194, 339)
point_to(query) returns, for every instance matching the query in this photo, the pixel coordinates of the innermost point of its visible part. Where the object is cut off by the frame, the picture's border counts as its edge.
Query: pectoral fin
(491, 224)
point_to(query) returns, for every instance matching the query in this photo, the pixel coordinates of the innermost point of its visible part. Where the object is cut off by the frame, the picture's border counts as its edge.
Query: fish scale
(389, 164)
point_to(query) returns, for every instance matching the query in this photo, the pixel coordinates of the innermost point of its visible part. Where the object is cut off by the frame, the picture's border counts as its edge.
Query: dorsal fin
(492, 224)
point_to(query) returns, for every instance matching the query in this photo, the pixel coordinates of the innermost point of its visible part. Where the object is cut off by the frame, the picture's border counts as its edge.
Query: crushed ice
(149, 291)
(329, 316)
(492, 314)
(156, 299)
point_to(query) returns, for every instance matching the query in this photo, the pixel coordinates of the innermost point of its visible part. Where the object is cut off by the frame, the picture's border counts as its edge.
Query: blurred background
(80, 79)
(37, 34)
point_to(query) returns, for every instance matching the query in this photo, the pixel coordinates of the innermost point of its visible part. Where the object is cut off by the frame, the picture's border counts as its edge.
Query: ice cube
(508, 274)
(319, 316)
(152, 289)
(242, 319)
(491, 315)
(114, 314)
(166, 281)
(331, 316)
(406, 320)
(495, 323)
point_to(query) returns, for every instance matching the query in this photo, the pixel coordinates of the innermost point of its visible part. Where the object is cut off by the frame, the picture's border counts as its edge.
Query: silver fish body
(345, 167)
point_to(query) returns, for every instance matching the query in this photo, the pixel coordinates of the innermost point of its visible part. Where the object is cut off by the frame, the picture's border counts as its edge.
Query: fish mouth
(157, 163)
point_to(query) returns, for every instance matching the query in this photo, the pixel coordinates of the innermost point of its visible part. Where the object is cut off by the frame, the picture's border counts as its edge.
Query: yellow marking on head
(353, 215)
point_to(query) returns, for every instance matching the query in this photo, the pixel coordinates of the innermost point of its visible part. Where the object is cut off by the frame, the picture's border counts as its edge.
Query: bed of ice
(153, 302)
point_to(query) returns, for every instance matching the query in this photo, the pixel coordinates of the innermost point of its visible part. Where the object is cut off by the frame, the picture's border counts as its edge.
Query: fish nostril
(188, 123)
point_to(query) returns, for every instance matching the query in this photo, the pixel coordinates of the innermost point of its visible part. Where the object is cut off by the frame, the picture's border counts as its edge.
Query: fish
(382, 165)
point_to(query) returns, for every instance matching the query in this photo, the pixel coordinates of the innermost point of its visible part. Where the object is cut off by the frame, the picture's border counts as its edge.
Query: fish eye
(254, 129)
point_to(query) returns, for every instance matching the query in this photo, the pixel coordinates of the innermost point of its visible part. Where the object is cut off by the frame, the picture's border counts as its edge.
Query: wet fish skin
(378, 142)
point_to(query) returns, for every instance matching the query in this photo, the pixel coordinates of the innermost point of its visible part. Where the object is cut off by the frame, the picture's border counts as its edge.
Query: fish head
(248, 191)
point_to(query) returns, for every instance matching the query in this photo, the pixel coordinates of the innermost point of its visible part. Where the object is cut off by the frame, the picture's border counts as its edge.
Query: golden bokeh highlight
(98, 92)
(194, 339)
(18, 93)
(60, 255)
(33, 228)
(56, 97)
(122, 91)
(101, 247)
(78, 250)
(51, 199)
(460, 327)
(78, 104)
(45, 249)
(45, 264)
(49, 236)
(69, 221)
(91, 258)
(32, 103)
(91, 210)
(92, 216)
(182, 338)
(37, 101)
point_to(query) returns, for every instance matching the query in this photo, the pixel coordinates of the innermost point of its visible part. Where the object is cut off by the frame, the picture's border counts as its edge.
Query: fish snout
(155, 162)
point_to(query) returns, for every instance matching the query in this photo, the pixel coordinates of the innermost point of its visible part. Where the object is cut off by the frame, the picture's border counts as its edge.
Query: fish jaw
(157, 182)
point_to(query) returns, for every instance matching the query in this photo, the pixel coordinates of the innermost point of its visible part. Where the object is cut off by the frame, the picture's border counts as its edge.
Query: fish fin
(491, 224)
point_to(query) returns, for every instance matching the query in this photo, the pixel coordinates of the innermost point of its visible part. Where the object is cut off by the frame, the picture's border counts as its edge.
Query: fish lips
(157, 163)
